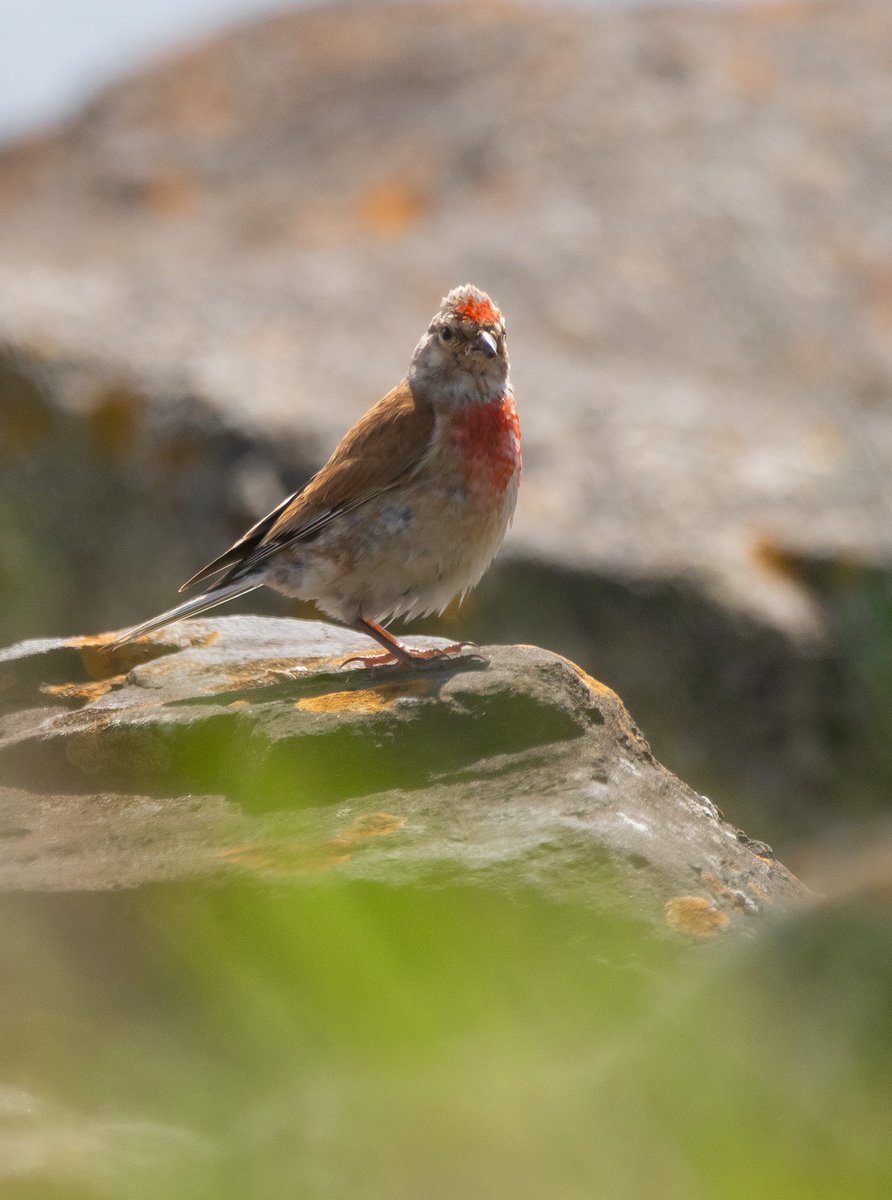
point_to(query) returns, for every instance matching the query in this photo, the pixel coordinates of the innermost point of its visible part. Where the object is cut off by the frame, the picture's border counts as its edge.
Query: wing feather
(384, 446)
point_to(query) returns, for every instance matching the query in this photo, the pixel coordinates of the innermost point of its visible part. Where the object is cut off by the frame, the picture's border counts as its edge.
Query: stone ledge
(242, 744)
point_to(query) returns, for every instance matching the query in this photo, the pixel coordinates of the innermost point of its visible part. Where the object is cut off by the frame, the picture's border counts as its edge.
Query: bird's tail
(198, 604)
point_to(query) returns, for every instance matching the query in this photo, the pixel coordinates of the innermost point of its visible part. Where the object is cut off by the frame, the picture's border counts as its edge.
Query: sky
(55, 54)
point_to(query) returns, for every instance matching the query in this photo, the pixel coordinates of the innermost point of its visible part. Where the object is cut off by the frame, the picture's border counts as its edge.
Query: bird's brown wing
(389, 442)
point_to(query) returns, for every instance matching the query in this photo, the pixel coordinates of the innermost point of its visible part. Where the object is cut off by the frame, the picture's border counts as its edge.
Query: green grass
(323, 1039)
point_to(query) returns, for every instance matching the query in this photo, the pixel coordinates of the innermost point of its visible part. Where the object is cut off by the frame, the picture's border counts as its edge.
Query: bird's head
(463, 356)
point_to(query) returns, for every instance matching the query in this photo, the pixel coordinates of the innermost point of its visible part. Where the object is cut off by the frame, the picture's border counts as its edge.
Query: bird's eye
(446, 334)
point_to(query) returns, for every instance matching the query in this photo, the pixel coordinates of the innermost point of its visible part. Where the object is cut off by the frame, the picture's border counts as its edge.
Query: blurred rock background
(213, 269)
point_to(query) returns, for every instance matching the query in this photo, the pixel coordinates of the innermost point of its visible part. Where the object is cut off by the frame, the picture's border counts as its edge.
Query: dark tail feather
(190, 608)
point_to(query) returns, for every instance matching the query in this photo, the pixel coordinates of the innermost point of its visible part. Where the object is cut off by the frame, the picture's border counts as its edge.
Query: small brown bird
(413, 504)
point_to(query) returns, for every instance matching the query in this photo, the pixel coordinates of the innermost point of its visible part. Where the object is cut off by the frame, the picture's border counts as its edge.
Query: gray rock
(244, 745)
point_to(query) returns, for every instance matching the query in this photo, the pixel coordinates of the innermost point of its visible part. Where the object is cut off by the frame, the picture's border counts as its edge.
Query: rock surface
(243, 744)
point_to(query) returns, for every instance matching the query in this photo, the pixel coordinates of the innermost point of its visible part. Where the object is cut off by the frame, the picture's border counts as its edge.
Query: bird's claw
(410, 658)
(371, 660)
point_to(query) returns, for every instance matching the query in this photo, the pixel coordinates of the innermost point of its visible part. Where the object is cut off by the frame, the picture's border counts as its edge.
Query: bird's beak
(485, 343)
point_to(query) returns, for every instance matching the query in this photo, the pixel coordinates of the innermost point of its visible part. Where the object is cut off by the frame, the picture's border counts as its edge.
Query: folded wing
(385, 446)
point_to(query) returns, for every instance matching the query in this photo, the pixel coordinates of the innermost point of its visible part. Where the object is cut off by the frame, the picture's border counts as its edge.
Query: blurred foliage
(326, 1039)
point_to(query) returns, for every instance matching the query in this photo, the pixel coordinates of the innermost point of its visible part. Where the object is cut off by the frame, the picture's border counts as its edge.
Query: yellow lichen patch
(287, 860)
(599, 688)
(390, 207)
(85, 692)
(300, 857)
(100, 660)
(173, 193)
(263, 672)
(365, 700)
(694, 915)
(773, 558)
(371, 825)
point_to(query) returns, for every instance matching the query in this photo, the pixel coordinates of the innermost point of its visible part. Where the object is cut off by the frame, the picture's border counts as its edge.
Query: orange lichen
(85, 692)
(173, 193)
(390, 207)
(377, 824)
(101, 658)
(694, 915)
(365, 700)
(300, 857)
(595, 685)
(772, 557)
(264, 672)
(285, 860)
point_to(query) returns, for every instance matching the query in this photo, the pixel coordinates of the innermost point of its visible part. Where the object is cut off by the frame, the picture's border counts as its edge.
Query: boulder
(248, 744)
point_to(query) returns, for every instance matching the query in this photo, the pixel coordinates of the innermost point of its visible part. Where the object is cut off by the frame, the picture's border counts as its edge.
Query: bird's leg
(397, 654)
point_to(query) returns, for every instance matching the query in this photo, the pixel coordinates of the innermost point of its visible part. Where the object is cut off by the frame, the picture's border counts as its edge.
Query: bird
(411, 507)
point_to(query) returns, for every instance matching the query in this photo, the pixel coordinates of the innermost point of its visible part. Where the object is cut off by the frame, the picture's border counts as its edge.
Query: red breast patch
(488, 436)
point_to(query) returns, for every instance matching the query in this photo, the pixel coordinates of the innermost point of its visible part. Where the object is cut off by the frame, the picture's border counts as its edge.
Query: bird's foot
(406, 657)
(372, 660)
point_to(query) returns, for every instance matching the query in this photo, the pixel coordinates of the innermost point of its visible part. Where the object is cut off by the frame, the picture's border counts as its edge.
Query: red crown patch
(480, 309)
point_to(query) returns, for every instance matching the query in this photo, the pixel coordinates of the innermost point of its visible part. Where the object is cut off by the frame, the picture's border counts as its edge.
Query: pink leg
(396, 653)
